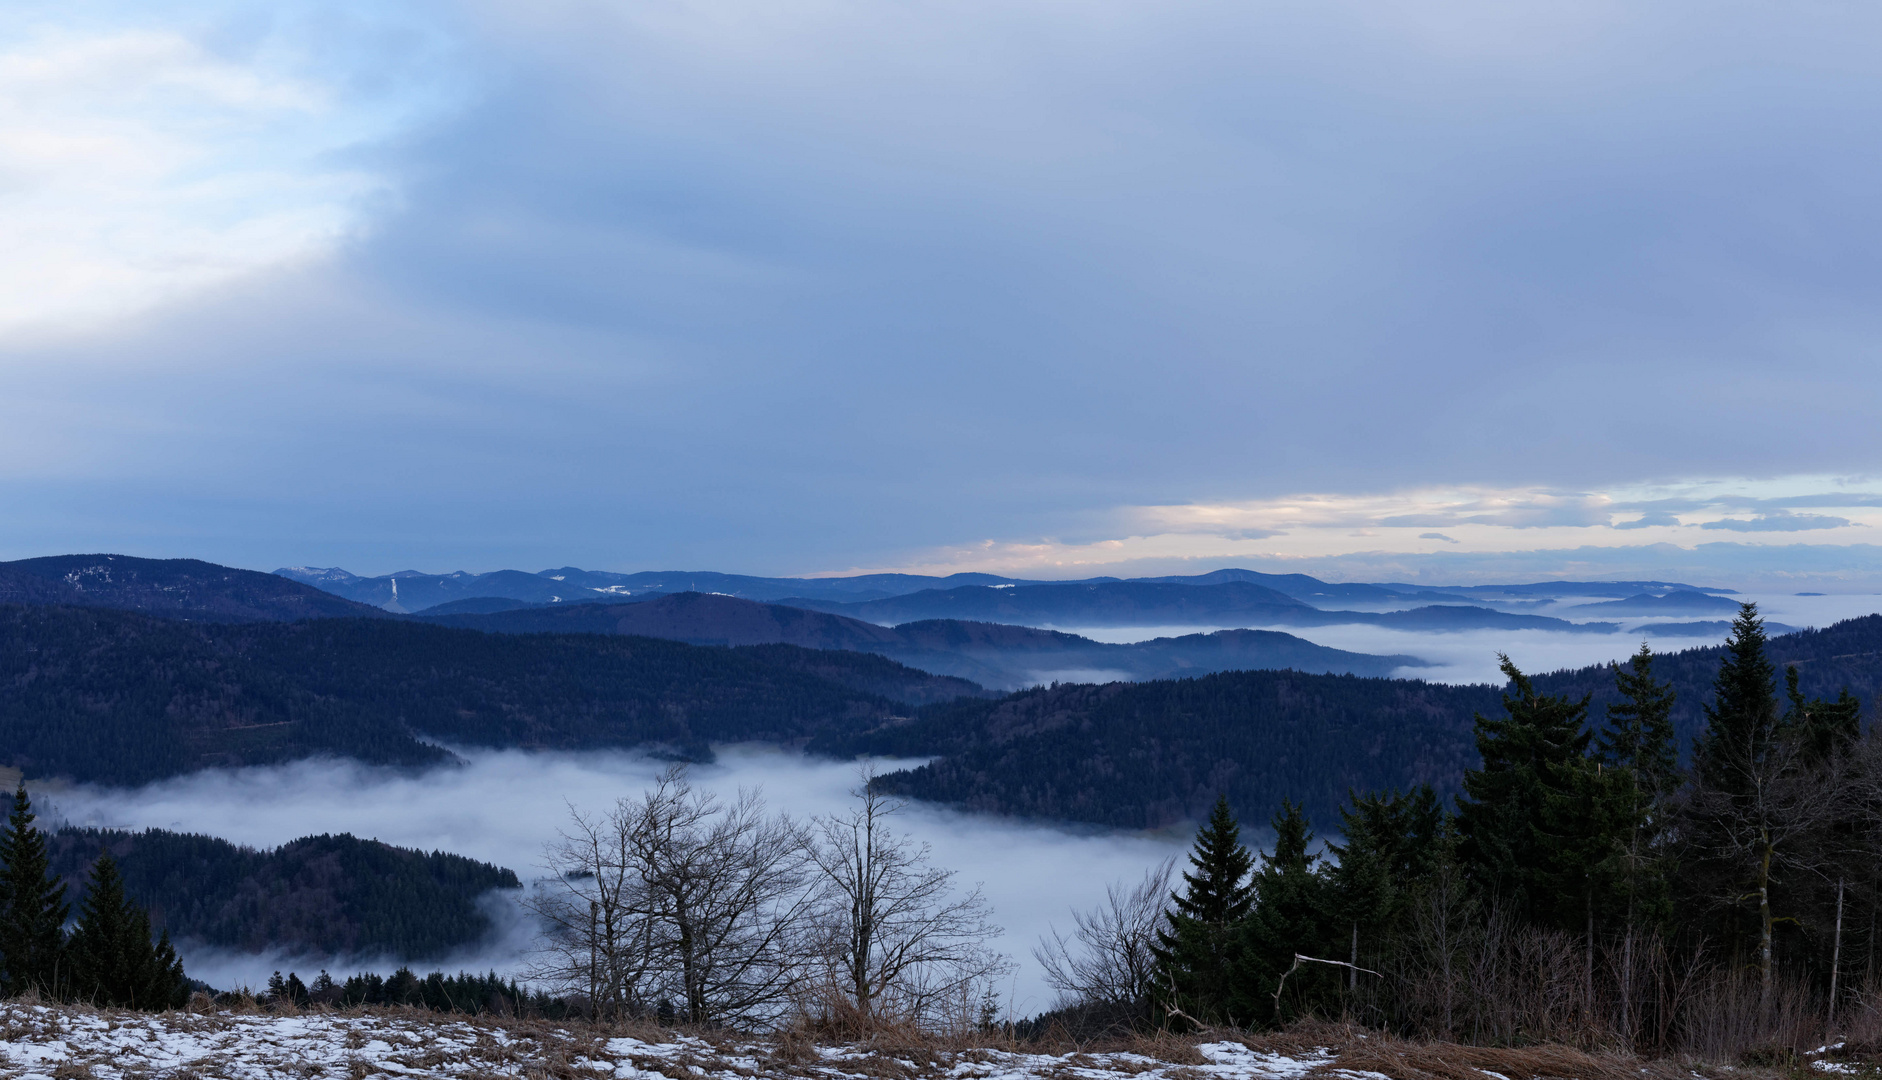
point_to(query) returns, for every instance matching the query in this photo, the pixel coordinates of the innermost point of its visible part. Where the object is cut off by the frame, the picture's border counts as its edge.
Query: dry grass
(1403, 1060)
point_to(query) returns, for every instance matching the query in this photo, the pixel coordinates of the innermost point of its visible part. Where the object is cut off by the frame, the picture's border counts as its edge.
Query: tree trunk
(1587, 976)
(1836, 951)
(1352, 973)
(1764, 923)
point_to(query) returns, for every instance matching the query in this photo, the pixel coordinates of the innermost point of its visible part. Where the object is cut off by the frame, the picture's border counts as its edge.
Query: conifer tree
(1532, 761)
(1761, 801)
(1196, 953)
(1742, 717)
(1638, 743)
(32, 907)
(113, 959)
(1388, 852)
(1290, 915)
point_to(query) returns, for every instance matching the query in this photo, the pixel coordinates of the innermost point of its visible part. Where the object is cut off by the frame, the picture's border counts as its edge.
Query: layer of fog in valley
(505, 805)
(1470, 656)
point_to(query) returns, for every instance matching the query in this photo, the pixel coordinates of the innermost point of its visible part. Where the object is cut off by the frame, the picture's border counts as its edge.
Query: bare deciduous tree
(899, 942)
(1108, 960)
(679, 896)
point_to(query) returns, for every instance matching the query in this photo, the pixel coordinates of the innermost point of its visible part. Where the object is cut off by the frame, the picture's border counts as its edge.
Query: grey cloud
(1646, 520)
(1436, 536)
(814, 286)
(1778, 522)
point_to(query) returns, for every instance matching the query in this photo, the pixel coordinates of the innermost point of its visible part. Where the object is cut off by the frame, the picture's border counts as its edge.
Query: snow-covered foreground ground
(59, 1043)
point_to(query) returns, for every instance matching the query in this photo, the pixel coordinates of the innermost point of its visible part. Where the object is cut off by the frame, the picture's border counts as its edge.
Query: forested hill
(122, 698)
(1146, 755)
(1847, 654)
(324, 895)
(1156, 753)
(176, 588)
(992, 654)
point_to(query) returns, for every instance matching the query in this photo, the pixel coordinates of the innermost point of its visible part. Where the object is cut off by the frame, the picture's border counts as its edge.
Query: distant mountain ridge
(991, 654)
(174, 588)
(414, 591)
(1678, 602)
(1143, 603)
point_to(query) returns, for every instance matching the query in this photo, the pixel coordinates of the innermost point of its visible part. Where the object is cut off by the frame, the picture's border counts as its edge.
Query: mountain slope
(1155, 753)
(991, 654)
(122, 698)
(1137, 603)
(1148, 755)
(175, 588)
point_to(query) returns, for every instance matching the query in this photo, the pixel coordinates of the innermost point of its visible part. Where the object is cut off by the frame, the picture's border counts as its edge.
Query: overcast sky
(788, 286)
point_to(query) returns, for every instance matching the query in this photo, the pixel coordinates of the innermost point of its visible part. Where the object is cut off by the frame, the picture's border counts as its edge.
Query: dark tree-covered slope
(320, 894)
(1150, 754)
(123, 698)
(1145, 755)
(1847, 654)
(177, 588)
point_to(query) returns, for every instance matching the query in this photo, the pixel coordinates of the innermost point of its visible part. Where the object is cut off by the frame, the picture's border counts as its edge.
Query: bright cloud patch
(139, 164)
(1473, 521)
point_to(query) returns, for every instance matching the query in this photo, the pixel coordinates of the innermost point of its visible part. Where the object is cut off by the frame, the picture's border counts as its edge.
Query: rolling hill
(123, 698)
(173, 588)
(1139, 603)
(991, 654)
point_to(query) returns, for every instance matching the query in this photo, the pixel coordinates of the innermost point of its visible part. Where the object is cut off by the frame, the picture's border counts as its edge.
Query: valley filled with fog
(504, 806)
(1470, 656)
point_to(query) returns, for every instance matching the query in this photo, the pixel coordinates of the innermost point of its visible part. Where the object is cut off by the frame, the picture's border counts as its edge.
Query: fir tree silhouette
(32, 907)
(1196, 954)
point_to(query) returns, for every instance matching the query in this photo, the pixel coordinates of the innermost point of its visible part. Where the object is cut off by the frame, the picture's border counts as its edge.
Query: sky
(1459, 291)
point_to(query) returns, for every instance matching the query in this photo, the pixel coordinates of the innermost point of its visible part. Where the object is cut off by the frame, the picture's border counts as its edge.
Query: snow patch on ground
(39, 1041)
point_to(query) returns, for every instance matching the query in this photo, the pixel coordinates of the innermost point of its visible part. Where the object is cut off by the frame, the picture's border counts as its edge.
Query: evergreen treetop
(114, 961)
(1196, 952)
(1220, 891)
(1742, 717)
(32, 906)
(1531, 760)
(1638, 735)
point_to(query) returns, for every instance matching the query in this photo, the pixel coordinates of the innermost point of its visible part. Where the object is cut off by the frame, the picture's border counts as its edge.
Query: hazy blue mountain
(418, 591)
(1678, 602)
(991, 654)
(173, 588)
(1139, 603)
(411, 590)
(1549, 589)
(1316, 592)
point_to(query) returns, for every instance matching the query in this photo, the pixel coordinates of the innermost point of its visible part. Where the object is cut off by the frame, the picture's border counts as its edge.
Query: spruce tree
(1387, 854)
(1513, 802)
(1762, 800)
(1196, 952)
(114, 961)
(1638, 744)
(1742, 717)
(1290, 915)
(32, 903)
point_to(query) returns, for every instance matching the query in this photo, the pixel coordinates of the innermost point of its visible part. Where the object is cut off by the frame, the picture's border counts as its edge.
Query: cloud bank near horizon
(792, 286)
